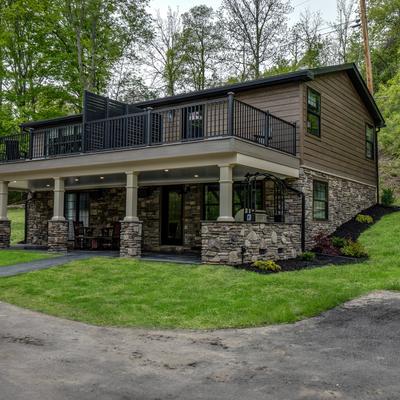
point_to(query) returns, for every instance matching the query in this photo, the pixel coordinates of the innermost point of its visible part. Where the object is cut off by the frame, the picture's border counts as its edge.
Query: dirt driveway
(352, 352)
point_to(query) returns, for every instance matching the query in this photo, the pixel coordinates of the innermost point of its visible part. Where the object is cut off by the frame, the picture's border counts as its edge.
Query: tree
(343, 31)
(203, 40)
(311, 47)
(166, 57)
(255, 28)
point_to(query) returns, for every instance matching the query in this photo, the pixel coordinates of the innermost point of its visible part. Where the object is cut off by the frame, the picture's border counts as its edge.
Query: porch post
(131, 197)
(5, 224)
(59, 191)
(58, 225)
(131, 227)
(225, 193)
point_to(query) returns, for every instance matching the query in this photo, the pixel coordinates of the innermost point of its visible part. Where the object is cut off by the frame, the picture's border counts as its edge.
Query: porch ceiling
(147, 178)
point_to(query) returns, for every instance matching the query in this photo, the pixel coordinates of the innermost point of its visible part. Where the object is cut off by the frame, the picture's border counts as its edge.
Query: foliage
(338, 241)
(354, 249)
(267, 265)
(388, 198)
(325, 245)
(307, 256)
(364, 219)
(122, 292)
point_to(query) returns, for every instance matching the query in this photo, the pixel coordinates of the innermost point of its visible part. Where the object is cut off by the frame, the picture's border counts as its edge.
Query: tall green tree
(203, 40)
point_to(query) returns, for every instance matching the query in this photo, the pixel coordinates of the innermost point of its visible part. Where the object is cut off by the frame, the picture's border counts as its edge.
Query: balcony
(137, 128)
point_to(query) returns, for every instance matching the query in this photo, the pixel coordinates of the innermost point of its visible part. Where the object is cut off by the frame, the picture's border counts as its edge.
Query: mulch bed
(295, 264)
(349, 230)
(353, 229)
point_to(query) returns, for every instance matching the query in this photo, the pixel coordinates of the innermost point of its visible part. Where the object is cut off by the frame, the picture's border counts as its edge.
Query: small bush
(338, 241)
(324, 245)
(307, 256)
(267, 266)
(388, 198)
(364, 219)
(354, 249)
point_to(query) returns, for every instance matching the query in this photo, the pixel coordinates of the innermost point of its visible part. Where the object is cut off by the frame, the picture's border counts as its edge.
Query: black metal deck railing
(186, 123)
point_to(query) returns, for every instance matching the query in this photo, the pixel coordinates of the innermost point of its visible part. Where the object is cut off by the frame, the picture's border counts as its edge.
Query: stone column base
(5, 234)
(57, 236)
(131, 239)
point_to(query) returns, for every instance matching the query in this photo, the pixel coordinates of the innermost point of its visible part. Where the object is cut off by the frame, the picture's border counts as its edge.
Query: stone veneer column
(131, 227)
(5, 224)
(58, 225)
(131, 239)
(225, 193)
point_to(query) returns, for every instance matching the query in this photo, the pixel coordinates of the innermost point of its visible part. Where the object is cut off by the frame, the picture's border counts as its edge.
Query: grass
(17, 217)
(124, 292)
(11, 257)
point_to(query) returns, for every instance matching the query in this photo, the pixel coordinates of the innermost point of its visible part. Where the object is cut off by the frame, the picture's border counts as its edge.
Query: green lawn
(17, 217)
(10, 257)
(138, 293)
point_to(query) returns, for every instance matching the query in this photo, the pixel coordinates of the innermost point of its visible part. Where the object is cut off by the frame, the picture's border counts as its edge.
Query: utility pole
(367, 55)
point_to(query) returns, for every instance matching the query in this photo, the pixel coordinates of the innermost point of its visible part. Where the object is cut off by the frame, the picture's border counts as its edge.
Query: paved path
(351, 352)
(21, 268)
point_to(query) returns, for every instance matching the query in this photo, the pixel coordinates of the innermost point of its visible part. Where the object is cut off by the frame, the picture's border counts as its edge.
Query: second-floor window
(313, 112)
(369, 142)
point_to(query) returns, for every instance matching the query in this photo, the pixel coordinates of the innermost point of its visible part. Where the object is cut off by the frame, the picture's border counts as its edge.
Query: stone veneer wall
(40, 211)
(58, 236)
(5, 234)
(346, 199)
(131, 239)
(222, 242)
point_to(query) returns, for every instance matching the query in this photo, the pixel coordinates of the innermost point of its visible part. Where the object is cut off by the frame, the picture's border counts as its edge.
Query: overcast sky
(327, 7)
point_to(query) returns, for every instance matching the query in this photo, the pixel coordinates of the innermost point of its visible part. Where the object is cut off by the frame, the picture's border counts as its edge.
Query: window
(313, 112)
(211, 199)
(77, 207)
(369, 141)
(320, 200)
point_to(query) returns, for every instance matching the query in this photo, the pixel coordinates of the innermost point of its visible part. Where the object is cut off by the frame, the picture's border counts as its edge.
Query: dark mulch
(353, 229)
(296, 264)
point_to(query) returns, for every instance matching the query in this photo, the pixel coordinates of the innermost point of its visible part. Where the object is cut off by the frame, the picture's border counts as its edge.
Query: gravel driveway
(351, 352)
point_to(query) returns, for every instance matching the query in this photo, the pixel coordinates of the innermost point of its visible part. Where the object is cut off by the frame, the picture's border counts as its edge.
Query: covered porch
(178, 204)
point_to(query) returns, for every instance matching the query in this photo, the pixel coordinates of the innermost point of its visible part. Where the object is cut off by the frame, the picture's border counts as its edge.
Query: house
(248, 171)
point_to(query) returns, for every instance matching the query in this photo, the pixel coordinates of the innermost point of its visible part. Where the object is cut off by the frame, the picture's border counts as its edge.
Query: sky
(327, 7)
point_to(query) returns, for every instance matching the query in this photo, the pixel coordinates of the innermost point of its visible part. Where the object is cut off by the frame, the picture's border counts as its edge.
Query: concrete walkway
(21, 268)
(348, 353)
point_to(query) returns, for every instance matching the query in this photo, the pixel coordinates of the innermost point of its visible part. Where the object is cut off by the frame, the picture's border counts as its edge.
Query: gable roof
(303, 75)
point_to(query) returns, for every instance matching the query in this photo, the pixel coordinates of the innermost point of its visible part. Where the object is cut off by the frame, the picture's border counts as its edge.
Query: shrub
(388, 197)
(267, 266)
(354, 249)
(307, 256)
(338, 241)
(364, 219)
(324, 245)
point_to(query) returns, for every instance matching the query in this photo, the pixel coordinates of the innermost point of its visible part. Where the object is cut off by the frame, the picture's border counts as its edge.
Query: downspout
(377, 130)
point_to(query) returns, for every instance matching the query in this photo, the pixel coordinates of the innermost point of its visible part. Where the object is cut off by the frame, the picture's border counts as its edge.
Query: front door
(171, 221)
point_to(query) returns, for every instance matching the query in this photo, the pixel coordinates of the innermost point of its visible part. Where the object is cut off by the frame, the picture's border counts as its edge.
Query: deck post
(231, 109)
(131, 197)
(58, 225)
(5, 225)
(225, 193)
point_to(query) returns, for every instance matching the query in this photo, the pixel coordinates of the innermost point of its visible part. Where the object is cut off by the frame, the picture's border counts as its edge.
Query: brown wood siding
(341, 148)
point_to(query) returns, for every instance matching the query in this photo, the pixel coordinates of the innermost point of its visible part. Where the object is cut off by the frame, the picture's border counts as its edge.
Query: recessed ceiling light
(14, 181)
(102, 177)
(166, 170)
(47, 185)
(196, 176)
(76, 179)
